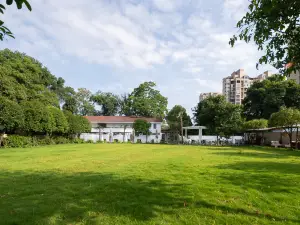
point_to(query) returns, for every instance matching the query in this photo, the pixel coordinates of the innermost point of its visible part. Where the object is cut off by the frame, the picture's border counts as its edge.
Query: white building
(235, 86)
(119, 128)
(208, 94)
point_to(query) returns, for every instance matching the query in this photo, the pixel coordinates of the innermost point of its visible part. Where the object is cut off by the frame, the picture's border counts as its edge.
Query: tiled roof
(118, 119)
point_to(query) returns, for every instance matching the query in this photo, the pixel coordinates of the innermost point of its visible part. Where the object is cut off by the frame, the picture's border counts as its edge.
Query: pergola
(200, 128)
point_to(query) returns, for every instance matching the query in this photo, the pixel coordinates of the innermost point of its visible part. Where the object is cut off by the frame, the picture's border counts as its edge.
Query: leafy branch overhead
(274, 26)
(4, 31)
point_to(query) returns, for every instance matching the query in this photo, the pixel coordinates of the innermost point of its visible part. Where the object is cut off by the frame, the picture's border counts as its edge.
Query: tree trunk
(291, 136)
(297, 137)
(218, 140)
(181, 125)
(146, 138)
(124, 134)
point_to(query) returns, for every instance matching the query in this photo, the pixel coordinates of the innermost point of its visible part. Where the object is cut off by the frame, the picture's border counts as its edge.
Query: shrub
(78, 141)
(16, 141)
(99, 142)
(46, 141)
(61, 140)
(89, 142)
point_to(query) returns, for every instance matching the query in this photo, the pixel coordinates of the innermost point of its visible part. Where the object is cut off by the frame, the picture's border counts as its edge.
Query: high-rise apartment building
(235, 86)
(208, 94)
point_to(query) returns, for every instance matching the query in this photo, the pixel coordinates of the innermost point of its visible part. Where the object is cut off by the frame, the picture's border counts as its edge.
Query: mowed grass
(149, 184)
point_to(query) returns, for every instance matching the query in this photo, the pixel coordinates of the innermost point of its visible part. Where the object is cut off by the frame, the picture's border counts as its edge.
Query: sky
(114, 45)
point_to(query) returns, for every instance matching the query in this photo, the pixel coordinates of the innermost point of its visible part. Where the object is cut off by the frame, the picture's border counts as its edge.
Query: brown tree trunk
(297, 137)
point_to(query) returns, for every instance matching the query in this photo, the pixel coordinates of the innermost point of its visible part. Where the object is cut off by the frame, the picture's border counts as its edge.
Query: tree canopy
(146, 101)
(174, 120)
(4, 31)
(256, 124)
(219, 116)
(141, 127)
(274, 26)
(266, 97)
(287, 118)
(109, 103)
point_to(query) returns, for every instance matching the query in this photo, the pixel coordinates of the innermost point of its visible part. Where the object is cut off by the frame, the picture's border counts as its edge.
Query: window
(154, 126)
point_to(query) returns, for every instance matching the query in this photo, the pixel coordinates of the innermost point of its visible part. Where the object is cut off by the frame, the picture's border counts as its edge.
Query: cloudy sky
(114, 45)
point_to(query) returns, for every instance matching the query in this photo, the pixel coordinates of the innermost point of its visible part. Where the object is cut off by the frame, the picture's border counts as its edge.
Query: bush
(99, 142)
(17, 141)
(89, 142)
(77, 141)
(61, 140)
(46, 141)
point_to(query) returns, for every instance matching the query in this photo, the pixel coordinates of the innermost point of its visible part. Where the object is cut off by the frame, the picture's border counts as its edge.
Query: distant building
(235, 86)
(208, 94)
(294, 75)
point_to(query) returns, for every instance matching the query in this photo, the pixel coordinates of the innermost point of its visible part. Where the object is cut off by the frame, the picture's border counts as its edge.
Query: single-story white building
(120, 129)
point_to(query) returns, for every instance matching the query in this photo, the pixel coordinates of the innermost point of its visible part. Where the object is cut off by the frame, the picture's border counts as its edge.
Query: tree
(85, 106)
(37, 118)
(178, 118)
(256, 124)
(23, 78)
(287, 118)
(4, 31)
(61, 125)
(146, 101)
(274, 26)
(219, 116)
(142, 127)
(77, 124)
(11, 115)
(109, 103)
(266, 97)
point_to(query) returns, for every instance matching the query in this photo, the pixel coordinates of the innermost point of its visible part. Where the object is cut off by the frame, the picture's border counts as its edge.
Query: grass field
(149, 184)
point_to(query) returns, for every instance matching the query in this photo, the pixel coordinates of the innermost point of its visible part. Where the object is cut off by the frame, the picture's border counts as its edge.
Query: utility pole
(181, 125)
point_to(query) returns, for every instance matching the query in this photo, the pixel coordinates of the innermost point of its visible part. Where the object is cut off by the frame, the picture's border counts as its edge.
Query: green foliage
(4, 31)
(256, 124)
(146, 101)
(141, 127)
(77, 124)
(274, 26)
(85, 106)
(219, 116)
(109, 103)
(174, 118)
(61, 140)
(25, 79)
(77, 141)
(266, 97)
(16, 141)
(37, 118)
(11, 115)
(61, 125)
(287, 118)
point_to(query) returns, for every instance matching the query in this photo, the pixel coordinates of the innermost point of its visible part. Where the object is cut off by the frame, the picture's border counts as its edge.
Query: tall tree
(85, 105)
(146, 101)
(37, 118)
(219, 116)
(174, 117)
(287, 118)
(77, 124)
(108, 102)
(4, 31)
(266, 97)
(142, 127)
(256, 124)
(11, 115)
(274, 25)
(24, 78)
(60, 121)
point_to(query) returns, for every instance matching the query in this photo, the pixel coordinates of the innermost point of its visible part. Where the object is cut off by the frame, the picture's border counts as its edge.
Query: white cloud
(182, 47)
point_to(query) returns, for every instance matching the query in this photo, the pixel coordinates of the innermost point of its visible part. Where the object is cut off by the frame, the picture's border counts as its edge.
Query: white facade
(294, 76)
(121, 131)
(235, 86)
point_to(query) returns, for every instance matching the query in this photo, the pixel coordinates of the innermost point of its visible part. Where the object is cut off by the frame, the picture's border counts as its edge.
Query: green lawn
(149, 184)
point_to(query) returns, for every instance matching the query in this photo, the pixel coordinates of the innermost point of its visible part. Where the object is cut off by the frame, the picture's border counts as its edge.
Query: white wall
(95, 137)
(213, 138)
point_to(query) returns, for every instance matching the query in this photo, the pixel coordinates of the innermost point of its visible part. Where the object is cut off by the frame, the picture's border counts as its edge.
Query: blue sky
(114, 45)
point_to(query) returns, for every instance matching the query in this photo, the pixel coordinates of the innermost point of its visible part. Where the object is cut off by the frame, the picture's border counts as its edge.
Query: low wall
(142, 138)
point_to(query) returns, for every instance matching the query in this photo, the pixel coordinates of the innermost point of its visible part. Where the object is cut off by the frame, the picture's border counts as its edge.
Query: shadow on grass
(257, 151)
(267, 167)
(37, 198)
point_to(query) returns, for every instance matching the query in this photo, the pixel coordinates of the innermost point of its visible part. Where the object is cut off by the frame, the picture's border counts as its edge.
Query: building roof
(119, 119)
